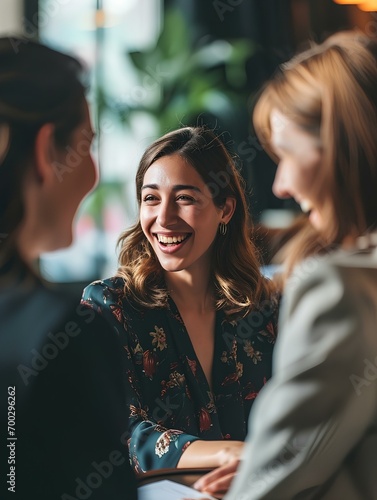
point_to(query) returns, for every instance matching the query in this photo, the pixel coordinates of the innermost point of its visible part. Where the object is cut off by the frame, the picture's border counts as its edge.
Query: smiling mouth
(169, 241)
(306, 207)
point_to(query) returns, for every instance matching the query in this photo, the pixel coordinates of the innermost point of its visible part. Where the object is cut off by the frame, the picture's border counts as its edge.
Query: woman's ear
(228, 209)
(44, 153)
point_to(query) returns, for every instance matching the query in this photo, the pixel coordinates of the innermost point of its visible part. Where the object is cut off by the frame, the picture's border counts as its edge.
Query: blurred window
(101, 34)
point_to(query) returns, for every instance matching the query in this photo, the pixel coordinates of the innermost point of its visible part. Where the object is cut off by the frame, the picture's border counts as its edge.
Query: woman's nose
(167, 215)
(280, 187)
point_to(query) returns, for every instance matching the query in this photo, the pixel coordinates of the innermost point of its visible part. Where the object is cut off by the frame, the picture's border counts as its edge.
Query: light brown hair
(330, 91)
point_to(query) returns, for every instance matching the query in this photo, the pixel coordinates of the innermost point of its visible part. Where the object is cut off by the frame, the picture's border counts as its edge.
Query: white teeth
(305, 206)
(171, 239)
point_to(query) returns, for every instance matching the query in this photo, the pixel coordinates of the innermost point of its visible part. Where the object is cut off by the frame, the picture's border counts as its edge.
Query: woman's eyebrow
(177, 187)
(180, 187)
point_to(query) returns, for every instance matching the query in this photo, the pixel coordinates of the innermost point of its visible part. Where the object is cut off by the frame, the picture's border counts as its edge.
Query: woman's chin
(316, 220)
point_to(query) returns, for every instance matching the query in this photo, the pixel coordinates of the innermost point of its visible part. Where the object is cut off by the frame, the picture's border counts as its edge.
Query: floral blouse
(170, 401)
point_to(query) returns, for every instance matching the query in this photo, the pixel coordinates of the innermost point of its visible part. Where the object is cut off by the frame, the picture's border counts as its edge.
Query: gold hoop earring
(223, 228)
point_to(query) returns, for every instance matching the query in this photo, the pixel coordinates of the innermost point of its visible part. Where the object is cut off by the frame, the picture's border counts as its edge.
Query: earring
(223, 228)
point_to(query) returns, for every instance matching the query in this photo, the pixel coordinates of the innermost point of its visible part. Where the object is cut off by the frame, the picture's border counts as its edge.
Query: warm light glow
(366, 5)
(100, 17)
(349, 2)
(369, 6)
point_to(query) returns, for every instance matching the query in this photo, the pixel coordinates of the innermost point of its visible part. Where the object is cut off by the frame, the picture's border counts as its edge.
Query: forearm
(210, 454)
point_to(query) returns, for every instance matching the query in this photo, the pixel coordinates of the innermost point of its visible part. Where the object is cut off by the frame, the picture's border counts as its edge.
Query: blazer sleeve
(303, 422)
(151, 445)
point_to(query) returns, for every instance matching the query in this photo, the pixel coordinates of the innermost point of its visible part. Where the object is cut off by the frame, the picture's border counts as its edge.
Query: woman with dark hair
(194, 314)
(62, 399)
(313, 430)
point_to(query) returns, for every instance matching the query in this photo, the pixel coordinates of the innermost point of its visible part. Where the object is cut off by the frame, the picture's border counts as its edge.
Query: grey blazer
(313, 428)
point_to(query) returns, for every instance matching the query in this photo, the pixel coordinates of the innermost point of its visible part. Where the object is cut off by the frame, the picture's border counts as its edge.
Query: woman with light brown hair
(313, 429)
(194, 314)
(328, 95)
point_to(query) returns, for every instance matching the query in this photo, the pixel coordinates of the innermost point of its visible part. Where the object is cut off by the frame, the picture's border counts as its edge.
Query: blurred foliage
(179, 81)
(98, 199)
(177, 84)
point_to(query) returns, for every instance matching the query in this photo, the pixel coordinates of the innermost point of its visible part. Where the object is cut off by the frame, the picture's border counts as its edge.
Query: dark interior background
(276, 29)
(279, 28)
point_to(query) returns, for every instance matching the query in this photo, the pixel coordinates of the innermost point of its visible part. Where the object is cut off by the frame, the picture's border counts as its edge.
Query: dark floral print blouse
(171, 404)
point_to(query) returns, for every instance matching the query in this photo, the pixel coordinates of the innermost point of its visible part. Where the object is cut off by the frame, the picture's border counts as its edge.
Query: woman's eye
(185, 197)
(149, 197)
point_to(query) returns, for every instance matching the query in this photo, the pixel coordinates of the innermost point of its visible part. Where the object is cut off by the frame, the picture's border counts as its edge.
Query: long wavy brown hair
(330, 91)
(236, 275)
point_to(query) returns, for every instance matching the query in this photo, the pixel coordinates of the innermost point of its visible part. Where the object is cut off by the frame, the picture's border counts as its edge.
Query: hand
(230, 451)
(218, 481)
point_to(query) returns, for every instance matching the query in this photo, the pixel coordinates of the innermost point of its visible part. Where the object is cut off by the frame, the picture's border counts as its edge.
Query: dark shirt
(61, 378)
(168, 395)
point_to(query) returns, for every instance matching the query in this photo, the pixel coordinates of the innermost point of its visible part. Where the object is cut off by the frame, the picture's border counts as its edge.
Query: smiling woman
(299, 152)
(196, 318)
(175, 206)
(314, 120)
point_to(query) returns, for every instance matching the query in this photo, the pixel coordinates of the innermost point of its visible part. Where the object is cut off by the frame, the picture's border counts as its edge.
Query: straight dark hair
(38, 85)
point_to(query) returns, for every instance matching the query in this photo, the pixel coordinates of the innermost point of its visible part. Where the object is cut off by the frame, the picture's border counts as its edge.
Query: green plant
(180, 82)
(177, 83)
